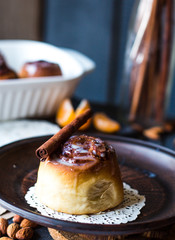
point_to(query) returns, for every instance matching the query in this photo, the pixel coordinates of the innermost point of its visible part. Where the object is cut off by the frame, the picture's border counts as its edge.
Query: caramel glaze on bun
(5, 71)
(82, 178)
(39, 69)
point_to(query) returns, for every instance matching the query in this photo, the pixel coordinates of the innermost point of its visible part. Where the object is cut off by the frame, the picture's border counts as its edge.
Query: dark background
(97, 28)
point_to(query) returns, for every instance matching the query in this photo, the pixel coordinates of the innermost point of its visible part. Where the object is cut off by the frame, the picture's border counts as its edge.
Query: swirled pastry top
(83, 152)
(40, 68)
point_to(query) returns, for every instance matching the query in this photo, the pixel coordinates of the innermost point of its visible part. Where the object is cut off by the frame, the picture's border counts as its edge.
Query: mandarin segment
(105, 124)
(65, 113)
(82, 107)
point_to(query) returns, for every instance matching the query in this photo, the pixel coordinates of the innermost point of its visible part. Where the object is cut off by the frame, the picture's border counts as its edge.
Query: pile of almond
(21, 228)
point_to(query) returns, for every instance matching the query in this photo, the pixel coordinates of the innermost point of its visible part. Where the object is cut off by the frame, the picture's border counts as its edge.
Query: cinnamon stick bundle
(62, 136)
(149, 77)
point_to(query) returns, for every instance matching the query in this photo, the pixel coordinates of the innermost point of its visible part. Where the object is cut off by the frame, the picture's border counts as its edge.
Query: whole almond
(24, 233)
(27, 223)
(12, 229)
(17, 218)
(153, 132)
(3, 225)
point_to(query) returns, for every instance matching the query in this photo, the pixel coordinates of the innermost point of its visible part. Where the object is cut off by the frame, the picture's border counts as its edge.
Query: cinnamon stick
(143, 65)
(62, 136)
(165, 59)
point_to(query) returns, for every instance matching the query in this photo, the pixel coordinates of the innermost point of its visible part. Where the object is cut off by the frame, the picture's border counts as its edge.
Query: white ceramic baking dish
(39, 97)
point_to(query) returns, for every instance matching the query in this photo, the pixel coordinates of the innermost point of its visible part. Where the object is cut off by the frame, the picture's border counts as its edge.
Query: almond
(3, 225)
(12, 229)
(17, 218)
(24, 233)
(27, 223)
(153, 133)
(168, 127)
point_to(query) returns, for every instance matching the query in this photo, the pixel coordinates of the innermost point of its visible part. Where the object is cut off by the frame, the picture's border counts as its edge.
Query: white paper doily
(11, 131)
(127, 211)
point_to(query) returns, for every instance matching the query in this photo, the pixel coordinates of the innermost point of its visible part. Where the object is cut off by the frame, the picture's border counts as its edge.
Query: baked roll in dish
(5, 71)
(82, 177)
(40, 69)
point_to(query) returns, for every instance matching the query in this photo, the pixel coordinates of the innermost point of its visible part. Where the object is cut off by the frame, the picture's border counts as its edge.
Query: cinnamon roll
(82, 177)
(40, 69)
(5, 71)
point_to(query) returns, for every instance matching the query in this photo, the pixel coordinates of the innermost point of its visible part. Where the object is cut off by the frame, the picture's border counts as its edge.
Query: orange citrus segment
(83, 106)
(105, 124)
(65, 113)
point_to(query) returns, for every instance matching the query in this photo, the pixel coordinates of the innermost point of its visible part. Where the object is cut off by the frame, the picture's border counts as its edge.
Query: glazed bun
(82, 178)
(39, 69)
(5, 71)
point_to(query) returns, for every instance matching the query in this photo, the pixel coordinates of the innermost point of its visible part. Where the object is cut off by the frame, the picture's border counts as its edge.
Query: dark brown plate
(146, 167)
